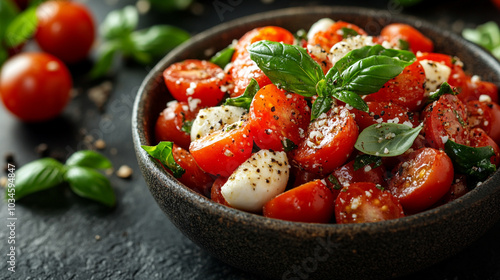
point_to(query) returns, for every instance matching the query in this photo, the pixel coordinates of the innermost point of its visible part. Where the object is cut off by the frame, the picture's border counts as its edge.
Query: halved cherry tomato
(421, 180)
(346, 175)
(221, 152)
(195, 81)
(277, 117)
(312, 202)
(383, 112)
(406, 89)
(479, 138)
(334, 34)
(171, 123)
(400, 31)
(329, 142)
(446, 119)
(365, 203)
(193, 177)
(485, 115)
(65, 29)
(216, 194)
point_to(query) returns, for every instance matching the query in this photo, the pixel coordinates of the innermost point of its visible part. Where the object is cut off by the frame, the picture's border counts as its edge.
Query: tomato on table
(421, 180)
(363, 202)
(221, 152)
(400, 31)
(216, 194)
(329, 142)
(334, 34)
(277, 117)
(195, 81)
(65, 29)
(312, 202)
(347, 175)
(479, 138)
(485, 115)
(35, 86)
(172, 124)
(383, 112)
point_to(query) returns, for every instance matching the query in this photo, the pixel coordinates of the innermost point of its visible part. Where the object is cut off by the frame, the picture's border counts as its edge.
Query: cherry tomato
(485, 115)
(329, 142)
(478, 88)
(312, 202)
(277, 117)
(171, 124)
(270, 33)
(334, 34)
(436, 57)
(346, 175)
(65, 29)
(383, 112)
(35, 86)
(221, 152)
(496, 3)
(299, 177)
(216, 194)
(195, 81)
(365, 203)
(406, 89)
(446, 119)
(421, 180)
(459, 80)
(457, 189)
(193, 177)
(400, 31)
(479, 138)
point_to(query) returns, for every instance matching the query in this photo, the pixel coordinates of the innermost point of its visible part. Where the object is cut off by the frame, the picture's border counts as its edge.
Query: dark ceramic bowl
(290, 250)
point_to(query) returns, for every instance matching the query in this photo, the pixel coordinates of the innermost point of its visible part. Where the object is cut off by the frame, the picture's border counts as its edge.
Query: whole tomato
(35, 86)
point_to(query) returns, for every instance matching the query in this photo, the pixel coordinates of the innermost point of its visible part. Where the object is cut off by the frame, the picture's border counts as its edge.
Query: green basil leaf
(170, 5)
(471, 161)
(186, 126)
(38, 175)
(89, 183)
(445, 88)
(107, 52)
(246, 98)
(87, 158)
(335, 182)
(363, 160)
(321, 105)
(352, 99)
(163, 153)
(288, 145)
(8, 11)
(21, 28)
(119, 23)
(386, 139)
(223, 57)
(403, 44)
(157, 40)
(486, 35)
(348, 32)
(300, 36)
(288, 67)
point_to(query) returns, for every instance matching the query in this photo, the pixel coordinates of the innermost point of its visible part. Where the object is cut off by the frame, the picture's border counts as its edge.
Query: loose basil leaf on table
(245, 100)
(471, 161)
(386, 139)
(163, 153)
(223, 57)
(107, 54)
(363, 160)
(8, 11)
(119, 23)
(89, 183)
(90, 159)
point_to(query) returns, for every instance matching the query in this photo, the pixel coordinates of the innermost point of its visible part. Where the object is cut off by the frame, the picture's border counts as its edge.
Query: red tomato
(365, 203)
(221, 152)
(421, 180)
(216, 194)
(459, 80)
(445, 119)
(65, 29)
(416, 40)
(193, 177)
(436, 57)
(270, 33)
(277, 116)
(485, 115)
(299, 177)
(243, 70)
(170, 123)
(496, 3)
(346, 175)
(35, 86)
(383, 112)
(329, 142)
(334, 34)
(457, 189)
(479, 138)
(195, 80)
(406, 89)
(312, 202)
(478, 88)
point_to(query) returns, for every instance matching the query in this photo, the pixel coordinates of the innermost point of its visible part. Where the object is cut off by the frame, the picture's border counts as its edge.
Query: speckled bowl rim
(474, 197)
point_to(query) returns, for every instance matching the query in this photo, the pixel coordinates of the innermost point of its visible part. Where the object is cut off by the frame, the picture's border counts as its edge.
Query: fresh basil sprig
(245, 100)
(475, 162)
(79, 172)
(386, 139)
(363, 160)
(223, 57)
(445, 88)
(163, 152)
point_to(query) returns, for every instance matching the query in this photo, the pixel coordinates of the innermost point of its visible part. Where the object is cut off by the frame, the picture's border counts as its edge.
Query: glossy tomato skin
(195, 81)
(459, 81)
(478, 88)
(485, 115)
(363, 202)
(416, 40)
(270, 33)
(334, 34)
(421, 180)
(221, 152)
(346, 175)
(193, 177)
(479, 138)
(299, 177)
(170, 123)
(65, 29)
(216, 194)
(328, 144)
(277, 116)
(383, 112)
(436, 57)
(35, 86)
(311, 202)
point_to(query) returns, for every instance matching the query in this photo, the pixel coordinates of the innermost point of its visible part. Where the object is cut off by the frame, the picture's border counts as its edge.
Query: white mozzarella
(212, 119)
(321, 25)
(256, 181)
(436, 73)
(341, 48)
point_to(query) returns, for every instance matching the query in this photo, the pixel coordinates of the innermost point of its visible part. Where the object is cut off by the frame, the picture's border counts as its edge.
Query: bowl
(290, 250)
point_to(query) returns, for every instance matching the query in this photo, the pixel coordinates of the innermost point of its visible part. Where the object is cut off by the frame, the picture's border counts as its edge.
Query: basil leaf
(105, 59)
(363, 160)
(223, 57)
(335, 182)
(445, 88)
(38, 175)
(90, 159)
(321, 105)
(486, 35)
(157, 40)
(288, 145)
(352, 99)
(163, 153)
(288, 67)
(300, 35)
(170, 5)
(245, 100)
(471, 161)
(88, 183)
(348, 32)
(186, 126)
(119, 23)
(386, 139)
(403, 44)
(21, 28)
(8, 12)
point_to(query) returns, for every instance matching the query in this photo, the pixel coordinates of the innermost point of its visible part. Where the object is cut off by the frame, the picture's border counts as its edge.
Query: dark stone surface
(61, 236)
